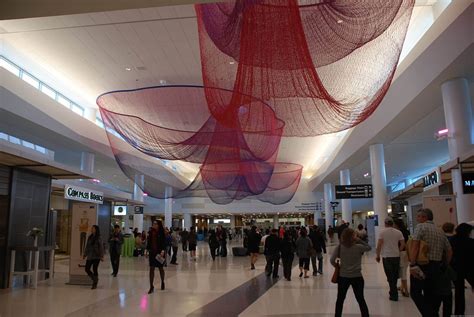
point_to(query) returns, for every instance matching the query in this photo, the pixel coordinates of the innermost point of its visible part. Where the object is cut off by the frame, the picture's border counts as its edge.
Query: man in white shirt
(390, 243)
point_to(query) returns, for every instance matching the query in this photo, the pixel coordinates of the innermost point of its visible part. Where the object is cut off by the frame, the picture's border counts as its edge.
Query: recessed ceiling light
(231, 62)
(339, 21)
(128, 69)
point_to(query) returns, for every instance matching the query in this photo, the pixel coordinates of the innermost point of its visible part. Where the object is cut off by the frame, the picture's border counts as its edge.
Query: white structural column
(458, 114)
(327, 204)
(138, 196)
(275, 222)
(232, 221)
(379, 184)
(87, 162)
(168, 206)
(187, 221)
(346, 204)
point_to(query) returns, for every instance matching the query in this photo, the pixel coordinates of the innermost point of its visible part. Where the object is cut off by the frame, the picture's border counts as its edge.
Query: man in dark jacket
(319, 246)
(115, 248)
(272, 253)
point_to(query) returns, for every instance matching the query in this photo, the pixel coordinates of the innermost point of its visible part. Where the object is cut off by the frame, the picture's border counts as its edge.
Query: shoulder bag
(337, 268)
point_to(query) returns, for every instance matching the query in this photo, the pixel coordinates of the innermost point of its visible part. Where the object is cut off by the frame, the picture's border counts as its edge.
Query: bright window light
(77, 109)
(10, 67)
(64, 101)
(30, 80)
(48, 91)
(14, 140)
(28, 144)
(3, 136)
(40, 149)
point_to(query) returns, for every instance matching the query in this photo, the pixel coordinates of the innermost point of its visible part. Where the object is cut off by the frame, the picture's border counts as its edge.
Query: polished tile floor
(225, 287)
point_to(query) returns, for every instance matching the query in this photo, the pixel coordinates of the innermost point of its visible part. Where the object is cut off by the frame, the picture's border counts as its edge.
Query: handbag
(337, 267)
(161, 259)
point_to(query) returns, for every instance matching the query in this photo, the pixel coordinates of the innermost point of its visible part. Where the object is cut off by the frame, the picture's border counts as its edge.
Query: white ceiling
(85, 55)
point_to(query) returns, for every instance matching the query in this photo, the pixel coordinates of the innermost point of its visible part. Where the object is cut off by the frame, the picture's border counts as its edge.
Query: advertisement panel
(84, 215)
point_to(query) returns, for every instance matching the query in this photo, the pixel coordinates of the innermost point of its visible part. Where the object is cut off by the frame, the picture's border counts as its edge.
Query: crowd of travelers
(435, 260)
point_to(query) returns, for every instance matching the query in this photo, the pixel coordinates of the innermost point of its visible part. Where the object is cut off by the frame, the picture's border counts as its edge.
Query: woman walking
(156, 245)
(400, 225)
(94, 253)
(303, 250)
(349, 252)
(287, 254)
(192, 240)
(253, 244)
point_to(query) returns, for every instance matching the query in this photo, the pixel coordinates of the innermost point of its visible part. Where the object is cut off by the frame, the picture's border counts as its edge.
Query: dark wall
(5, 177)
(29, 206)
(104, 219)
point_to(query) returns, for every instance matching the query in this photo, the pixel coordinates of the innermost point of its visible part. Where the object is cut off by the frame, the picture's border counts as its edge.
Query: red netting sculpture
(271, 69)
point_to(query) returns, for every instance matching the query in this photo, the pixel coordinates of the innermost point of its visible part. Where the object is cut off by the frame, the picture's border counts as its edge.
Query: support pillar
(232, 221)
(168, 206)
(138, 196)
(346, 204)
(458, 114)
(188, 221)
(275, 222)
(327, 205)
(379, 184)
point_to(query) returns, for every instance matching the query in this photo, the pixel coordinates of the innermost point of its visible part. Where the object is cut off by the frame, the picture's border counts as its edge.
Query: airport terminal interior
(238, 158)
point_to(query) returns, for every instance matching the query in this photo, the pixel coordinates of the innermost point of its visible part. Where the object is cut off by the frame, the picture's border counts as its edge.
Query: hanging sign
(431, 180)
(83, 194)
(353, 191)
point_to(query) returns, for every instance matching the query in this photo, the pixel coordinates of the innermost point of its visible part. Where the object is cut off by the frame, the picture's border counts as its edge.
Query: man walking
(390, 243)
(115, 248)
(175, 239)
(424, 277)
(272, 253)
(319, 246)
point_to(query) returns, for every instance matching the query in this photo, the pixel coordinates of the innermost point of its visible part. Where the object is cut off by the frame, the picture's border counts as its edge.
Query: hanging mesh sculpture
(271, 69)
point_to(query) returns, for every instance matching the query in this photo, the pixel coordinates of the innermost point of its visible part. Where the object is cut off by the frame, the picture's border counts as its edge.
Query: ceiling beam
(22, 9)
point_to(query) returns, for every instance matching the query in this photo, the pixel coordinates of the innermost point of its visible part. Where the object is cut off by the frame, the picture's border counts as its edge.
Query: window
(77, 109)
(40, 149)
(14, 140)
(3, 136)
(64, 101)
(30, 80)
(99, 122)
(28, 144)
(48, 91)
(10, 67)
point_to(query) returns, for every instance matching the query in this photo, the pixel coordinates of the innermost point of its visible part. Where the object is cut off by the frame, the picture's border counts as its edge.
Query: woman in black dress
(156, 245)
(94, 253)
(253, 244)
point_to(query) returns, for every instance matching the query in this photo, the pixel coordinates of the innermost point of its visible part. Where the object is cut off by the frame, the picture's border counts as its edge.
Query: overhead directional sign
(353, 191)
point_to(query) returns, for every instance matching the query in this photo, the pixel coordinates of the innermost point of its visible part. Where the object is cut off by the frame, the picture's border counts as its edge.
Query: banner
(84, 215)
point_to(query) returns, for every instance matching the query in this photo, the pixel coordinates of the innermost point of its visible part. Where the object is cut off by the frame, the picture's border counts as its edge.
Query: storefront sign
(353, 191)
(468, 183)
(120, 210)
(432, 180)
(138, 210)
(83, 194)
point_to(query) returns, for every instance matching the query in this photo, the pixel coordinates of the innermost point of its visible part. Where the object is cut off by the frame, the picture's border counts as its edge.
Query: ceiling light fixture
(128, 69)
(339, 21)
(231, 62)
